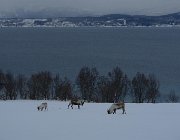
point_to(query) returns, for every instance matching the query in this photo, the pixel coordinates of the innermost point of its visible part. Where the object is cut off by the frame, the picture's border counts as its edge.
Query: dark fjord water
(66, 50)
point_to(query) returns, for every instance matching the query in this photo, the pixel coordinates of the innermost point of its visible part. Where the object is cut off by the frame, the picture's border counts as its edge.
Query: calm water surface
(66, 50)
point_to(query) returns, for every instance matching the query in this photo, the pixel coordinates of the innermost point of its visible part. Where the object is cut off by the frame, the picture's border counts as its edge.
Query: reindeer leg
(124, 112)
(72, 106)
(69, 105)
(114, 112)
(78, 106)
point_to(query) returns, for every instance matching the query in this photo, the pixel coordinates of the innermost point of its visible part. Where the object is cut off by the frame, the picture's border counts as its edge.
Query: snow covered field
(20, 120)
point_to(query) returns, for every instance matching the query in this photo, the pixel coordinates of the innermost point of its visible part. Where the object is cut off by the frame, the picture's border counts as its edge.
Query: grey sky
(96, 7)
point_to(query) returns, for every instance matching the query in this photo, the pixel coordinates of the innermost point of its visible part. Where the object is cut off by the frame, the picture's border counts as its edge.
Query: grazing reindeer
(42, 106)
(115, 106)
(76, 102)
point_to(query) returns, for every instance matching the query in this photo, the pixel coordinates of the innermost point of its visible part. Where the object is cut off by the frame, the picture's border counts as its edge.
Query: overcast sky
(95, 7)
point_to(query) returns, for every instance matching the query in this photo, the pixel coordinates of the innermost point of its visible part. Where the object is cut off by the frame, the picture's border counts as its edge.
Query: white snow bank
(20, 120)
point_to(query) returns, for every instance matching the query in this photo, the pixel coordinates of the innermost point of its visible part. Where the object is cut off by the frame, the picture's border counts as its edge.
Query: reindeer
(76, 102)
(42, 106)
(115, 106)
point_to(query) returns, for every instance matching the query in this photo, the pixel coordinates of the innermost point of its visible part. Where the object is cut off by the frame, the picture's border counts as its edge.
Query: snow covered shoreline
(20, 120)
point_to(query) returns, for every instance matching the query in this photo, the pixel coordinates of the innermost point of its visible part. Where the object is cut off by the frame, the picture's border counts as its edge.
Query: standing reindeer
(42, 106)
(76, 102)
(115, 106)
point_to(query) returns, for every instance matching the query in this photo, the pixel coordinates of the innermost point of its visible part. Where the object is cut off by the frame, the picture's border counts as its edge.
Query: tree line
(89, 85)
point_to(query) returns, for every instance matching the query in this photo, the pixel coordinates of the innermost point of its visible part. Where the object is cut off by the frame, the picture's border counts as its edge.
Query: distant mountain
(143, 20)
(114, 20)
(173, 16)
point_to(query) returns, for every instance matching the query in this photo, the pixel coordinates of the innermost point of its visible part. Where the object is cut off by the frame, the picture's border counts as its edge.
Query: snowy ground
(20, 120)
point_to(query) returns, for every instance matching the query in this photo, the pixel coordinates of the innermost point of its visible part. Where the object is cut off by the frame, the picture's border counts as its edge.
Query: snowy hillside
(20, 120)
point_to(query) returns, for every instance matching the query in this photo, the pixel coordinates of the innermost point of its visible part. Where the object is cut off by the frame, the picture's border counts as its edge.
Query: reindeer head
(108, 111)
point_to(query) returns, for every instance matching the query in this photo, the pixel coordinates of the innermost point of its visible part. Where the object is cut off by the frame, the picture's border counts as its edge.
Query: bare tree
(2, 80)
(105, 90)
(2, 86)
(87, 82)
(172, 97)
(114, 86)
(22, 86)
(139, 86)
(120, 84)
(64, 89)
(56, 83)
(152, 89)
(39, 85)
(10, 86)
